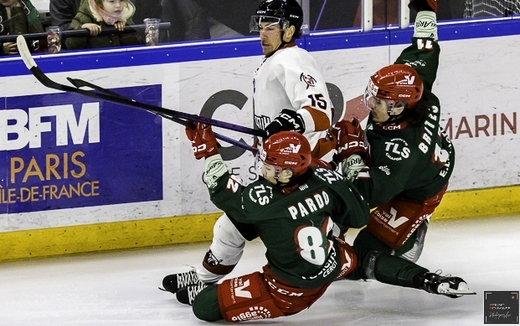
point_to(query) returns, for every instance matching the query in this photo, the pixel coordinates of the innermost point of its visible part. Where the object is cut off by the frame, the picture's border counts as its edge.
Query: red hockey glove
(350, 139)
(287, 120)
(419, 5)
(203, 140)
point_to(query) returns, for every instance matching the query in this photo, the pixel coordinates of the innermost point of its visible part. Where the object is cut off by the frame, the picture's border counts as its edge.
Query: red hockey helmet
(397, 83)
(287, 150)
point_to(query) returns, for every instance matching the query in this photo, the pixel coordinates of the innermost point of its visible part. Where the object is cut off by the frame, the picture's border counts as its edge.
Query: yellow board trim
(199, 228)
(479, 203)
(106, 236)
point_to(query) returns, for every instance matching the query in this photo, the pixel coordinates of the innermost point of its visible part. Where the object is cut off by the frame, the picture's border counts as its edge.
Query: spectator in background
(62, 12)
(189, 20)
(95, 15)
(146, 9)
(232, 14)
(19, 17)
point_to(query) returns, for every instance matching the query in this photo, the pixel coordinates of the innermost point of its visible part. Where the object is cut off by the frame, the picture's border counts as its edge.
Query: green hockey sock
(396, 271)
(205, 306)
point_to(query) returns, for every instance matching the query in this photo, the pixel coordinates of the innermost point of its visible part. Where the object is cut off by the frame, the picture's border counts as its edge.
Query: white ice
(120, 288)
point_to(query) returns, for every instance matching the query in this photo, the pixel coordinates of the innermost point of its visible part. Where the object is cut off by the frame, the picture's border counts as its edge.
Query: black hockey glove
(287, 120)
(420, 5)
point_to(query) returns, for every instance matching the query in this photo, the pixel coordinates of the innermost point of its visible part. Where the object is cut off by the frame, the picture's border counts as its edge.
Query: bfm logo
(56, 157)
(20, 128)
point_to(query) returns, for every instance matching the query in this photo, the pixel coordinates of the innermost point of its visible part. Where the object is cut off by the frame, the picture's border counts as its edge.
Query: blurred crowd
(200, 19)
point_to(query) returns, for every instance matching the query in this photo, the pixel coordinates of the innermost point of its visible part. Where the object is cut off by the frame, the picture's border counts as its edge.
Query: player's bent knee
(227, 238)
(205, 306)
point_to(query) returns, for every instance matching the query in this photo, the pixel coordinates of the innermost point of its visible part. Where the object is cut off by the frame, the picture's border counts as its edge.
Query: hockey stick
(46, 81)
(78, 83)
(81, 83)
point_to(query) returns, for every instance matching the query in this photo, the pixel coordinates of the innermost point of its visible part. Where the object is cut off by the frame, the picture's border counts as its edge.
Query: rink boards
(80, 175)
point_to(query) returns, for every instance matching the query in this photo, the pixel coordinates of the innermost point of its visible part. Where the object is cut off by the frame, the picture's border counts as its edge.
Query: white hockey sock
(426, 25)
(206, 276)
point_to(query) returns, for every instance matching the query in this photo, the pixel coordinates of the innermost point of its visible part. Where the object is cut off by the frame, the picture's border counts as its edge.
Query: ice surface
(120, 288)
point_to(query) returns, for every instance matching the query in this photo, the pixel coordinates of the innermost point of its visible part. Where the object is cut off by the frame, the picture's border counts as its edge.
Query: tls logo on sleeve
(261, 194)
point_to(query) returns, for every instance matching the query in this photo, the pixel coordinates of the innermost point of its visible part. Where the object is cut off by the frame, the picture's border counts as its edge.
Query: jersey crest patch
(327, 175)
(308, 79)
(261, 194)
(397, 149)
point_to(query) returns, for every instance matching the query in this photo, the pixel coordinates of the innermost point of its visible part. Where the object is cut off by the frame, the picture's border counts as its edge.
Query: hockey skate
(172, 283)
(188, 293)
(450, 286)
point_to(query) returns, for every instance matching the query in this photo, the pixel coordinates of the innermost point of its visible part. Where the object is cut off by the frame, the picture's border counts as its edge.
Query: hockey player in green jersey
(293, 207)
(411, 158)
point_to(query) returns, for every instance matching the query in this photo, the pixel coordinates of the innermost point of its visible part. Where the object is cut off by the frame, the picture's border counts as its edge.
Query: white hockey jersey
(290, 79)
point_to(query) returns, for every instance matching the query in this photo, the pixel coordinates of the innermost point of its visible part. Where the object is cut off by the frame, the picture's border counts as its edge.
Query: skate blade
(164, 290)
(462, 290)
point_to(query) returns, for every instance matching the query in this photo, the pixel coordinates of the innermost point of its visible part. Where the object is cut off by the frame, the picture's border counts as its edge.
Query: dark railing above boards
(82, 32)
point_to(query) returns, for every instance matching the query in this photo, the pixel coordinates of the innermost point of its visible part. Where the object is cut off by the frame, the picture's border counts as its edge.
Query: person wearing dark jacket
(62, 12)
(189, 20)
(19, 17)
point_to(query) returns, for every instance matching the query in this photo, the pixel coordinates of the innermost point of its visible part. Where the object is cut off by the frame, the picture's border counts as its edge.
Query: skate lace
(448, 285)
(442, 283)
(194, 290)
(432, 283)
(187, 278)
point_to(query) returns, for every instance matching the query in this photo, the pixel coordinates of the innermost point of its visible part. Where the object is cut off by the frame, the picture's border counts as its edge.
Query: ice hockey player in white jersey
(289, 91)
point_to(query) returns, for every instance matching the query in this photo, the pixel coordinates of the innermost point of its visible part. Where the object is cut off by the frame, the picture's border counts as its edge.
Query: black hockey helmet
(285, 12)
